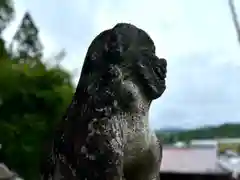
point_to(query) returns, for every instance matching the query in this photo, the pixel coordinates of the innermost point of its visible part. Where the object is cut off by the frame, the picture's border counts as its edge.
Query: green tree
(3, 51)
(222, 131)
(6, 13)
(33, 100)
(238, 149)
(60, 56)
(26, 42)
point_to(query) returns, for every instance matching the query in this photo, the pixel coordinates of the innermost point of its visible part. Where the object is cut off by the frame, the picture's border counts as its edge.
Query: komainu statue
(105, 133)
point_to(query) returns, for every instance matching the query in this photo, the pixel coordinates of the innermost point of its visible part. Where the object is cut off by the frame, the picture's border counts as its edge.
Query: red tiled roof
(189, 160)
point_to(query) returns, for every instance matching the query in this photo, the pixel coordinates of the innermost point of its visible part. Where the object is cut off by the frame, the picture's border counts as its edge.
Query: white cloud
(197, 38)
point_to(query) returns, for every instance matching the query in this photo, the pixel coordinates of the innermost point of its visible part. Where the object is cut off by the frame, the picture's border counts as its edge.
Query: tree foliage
(222, 131)
(26, 40)
(33, 98)
(6, 13)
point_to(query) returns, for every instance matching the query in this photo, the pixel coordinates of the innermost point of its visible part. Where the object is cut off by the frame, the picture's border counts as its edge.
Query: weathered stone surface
(105, 133)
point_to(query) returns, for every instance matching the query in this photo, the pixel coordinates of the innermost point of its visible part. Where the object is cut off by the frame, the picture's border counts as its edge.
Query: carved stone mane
(105, 134)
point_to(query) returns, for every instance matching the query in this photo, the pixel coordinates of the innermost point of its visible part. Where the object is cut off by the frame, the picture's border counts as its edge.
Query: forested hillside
(221, 131)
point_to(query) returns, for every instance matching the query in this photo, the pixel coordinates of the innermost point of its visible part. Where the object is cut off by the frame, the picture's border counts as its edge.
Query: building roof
(204, 142)
(5, 172)
(190, 159)
(216, 140)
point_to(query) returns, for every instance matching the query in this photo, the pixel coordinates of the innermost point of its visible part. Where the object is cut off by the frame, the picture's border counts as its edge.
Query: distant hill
(220, 131)
(171, 130)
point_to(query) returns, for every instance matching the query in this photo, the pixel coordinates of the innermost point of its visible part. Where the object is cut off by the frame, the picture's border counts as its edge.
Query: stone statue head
(125, 53)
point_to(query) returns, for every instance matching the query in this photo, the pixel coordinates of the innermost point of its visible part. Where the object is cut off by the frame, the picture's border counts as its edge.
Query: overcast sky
(197, 37)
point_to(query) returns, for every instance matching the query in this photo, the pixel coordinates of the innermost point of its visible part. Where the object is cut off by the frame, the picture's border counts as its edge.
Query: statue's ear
(98, 52)
(113, 48)
(104, 50)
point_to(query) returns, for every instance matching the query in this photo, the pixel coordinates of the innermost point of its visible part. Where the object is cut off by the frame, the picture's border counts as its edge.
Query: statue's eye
(94, 56)
(126, 77)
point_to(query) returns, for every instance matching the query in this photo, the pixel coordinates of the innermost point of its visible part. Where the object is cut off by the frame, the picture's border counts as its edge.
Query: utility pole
(234, 18)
